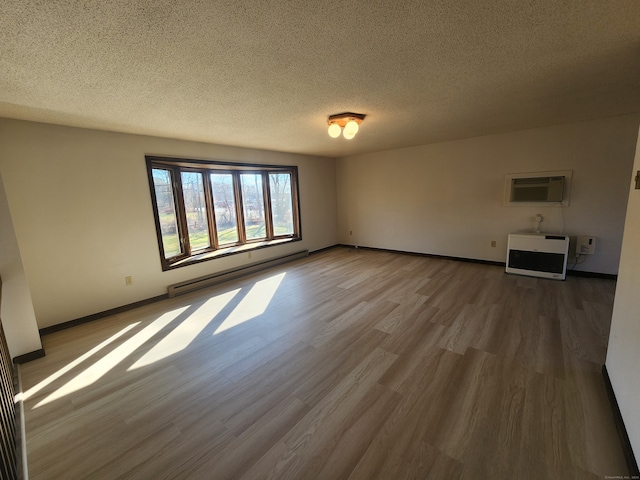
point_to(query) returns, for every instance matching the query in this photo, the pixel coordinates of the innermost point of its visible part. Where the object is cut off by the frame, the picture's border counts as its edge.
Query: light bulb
(334, 130)
(350, 129)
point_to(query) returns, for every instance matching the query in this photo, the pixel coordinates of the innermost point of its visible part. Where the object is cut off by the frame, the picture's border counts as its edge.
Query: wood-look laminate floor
(350, 364)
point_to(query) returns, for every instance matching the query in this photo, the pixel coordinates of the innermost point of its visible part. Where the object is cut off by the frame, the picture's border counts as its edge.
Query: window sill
(234, 250)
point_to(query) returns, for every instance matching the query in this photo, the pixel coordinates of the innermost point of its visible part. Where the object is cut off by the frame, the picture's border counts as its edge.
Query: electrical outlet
(128, 280)
(493, 243)
(350, 232)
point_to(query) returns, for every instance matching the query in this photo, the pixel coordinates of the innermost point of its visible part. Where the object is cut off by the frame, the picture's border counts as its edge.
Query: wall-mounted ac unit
(537, 189)
(538, 255)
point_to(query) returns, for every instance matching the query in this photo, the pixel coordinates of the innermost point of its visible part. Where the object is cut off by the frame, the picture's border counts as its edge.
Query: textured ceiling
(266, 74)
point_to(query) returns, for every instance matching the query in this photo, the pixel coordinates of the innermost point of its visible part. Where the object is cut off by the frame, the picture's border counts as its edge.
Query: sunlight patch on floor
(67, 368)
(187, 331)
(96, 371)
(253, 304)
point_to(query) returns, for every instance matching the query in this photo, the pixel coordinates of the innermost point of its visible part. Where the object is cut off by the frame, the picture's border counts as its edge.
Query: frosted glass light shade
(334, 130)
(350, 129)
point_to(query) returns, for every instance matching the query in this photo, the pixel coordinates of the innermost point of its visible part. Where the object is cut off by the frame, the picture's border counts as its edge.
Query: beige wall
(447, 198)
(623, 354)
(16, 312)
(80, 203)
(83, 219)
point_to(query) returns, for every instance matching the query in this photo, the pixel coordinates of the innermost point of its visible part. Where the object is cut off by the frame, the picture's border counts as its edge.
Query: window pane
(196, 210)
(224, 205)
(281, 203)
(253, 205)
(166, 212)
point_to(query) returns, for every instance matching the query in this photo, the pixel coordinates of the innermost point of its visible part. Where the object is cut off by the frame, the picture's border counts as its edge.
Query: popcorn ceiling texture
(266, 74)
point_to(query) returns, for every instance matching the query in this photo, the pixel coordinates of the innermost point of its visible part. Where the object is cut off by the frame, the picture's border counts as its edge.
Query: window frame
(176, 166)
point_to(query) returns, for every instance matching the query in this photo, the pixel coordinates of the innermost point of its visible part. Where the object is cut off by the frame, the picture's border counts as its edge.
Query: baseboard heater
(538, 255)
(219, 277)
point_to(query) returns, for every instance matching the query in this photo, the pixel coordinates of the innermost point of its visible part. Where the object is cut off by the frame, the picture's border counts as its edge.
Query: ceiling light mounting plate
(342, 118)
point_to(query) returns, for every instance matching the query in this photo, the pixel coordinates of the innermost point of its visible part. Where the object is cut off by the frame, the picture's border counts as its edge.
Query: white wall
(447, 198)
(83, 218)
(18, 317)
(623, 353)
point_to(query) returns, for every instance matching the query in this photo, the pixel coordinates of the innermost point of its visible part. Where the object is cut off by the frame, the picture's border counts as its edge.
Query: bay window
(204, 210)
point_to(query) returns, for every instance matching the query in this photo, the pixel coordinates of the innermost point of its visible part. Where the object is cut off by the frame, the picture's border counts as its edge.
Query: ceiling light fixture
(346, 123)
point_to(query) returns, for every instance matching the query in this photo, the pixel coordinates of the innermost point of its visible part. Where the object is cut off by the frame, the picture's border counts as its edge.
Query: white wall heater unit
(538, 255)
